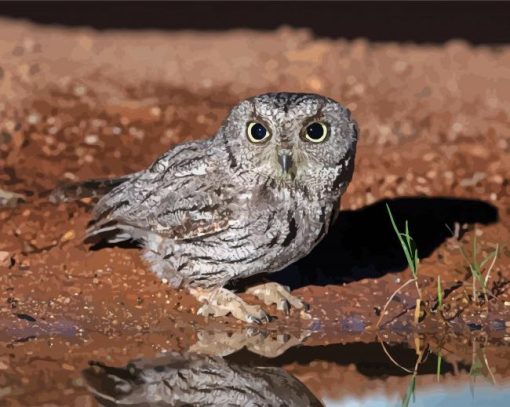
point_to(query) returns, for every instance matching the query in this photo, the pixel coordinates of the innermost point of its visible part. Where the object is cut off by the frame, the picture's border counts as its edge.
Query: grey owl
(254, 198)
(195, 380)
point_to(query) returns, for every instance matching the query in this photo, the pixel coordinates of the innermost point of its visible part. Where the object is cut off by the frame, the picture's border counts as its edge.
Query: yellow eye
(257, 133)
(316, 132)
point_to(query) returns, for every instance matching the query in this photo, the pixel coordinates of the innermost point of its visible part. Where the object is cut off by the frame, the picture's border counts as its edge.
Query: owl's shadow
(362, 243)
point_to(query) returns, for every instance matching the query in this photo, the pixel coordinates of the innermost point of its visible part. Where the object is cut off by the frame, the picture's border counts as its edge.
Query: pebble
(5, 259)
(69, 235)
(91, 139)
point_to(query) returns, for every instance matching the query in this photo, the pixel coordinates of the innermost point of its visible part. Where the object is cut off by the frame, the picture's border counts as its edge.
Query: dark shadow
(369, 358)
(362, 243)
(103, 244)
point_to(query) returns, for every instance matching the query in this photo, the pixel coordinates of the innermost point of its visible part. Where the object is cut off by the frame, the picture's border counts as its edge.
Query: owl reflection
(195, 380)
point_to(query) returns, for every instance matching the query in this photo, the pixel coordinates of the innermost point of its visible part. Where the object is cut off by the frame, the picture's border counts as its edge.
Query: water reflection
(256, 367)
(180, 379)
(439, 396)
(257, 341)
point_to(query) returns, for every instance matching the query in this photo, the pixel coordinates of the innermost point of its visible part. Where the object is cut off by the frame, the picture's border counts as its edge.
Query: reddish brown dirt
(76, 104)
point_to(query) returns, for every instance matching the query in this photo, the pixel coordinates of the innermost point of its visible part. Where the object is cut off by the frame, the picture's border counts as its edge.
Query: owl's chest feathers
(288, 219)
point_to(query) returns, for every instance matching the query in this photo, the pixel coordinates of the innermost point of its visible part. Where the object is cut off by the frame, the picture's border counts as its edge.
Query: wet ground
(434, 145)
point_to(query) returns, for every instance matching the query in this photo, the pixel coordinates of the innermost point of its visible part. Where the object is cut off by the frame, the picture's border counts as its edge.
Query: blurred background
(434, 22)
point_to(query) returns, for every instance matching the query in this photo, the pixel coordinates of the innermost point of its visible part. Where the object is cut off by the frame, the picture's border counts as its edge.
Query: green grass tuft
(408, 245)
(476, 267)
(410, 252)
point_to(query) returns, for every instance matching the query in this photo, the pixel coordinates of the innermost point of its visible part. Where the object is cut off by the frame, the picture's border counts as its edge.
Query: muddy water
(242, 377)
(258, 366)
(269, 373)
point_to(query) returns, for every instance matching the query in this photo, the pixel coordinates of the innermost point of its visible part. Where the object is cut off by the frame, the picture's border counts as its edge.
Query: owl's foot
(274, 293)
(260, 341)
(219, 302)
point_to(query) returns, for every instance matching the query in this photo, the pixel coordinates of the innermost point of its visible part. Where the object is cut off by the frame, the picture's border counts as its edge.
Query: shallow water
(264, 369)
(439, 396)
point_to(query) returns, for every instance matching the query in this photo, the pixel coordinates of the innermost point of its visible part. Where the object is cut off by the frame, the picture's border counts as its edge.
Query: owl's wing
(177, 197)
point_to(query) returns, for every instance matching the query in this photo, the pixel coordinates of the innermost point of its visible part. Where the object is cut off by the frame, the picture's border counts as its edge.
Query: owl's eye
(316, 132)
(257, 133)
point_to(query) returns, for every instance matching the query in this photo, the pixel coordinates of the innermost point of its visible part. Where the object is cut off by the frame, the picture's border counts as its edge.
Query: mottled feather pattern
(207, 212)
(191, 379)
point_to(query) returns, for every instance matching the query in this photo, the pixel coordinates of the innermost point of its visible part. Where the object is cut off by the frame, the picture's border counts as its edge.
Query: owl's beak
(285, 160)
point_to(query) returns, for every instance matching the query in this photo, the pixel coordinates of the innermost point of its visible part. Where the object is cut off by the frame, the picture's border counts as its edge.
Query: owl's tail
(85, 189)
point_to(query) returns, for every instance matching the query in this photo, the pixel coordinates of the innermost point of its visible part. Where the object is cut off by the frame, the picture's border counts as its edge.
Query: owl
(256, 197)
(189, 379)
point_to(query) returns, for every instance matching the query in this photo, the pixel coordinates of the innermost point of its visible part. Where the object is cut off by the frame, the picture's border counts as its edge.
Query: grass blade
(409, 392)
(438, 367)
(487, 275)
(406, 244)
(439, 293)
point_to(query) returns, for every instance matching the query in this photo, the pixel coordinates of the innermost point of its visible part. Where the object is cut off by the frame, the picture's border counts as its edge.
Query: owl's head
(292, 138)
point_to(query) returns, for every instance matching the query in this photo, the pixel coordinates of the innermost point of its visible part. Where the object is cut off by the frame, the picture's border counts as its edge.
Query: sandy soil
(78, 104)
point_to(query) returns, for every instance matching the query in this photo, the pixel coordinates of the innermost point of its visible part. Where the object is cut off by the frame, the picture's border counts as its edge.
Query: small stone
(91, 139)
(69, 235)
(304, 315)
(79, 90)
(155, 111)
(5, 259)
(33, 118)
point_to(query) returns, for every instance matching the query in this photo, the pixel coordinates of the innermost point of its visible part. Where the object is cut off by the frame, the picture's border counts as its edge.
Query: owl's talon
(206, 310)
(274, 293)
(253, 320)
(220, 302)
(201, 311)
(284, 306)
(252, 332)
(265, 317)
